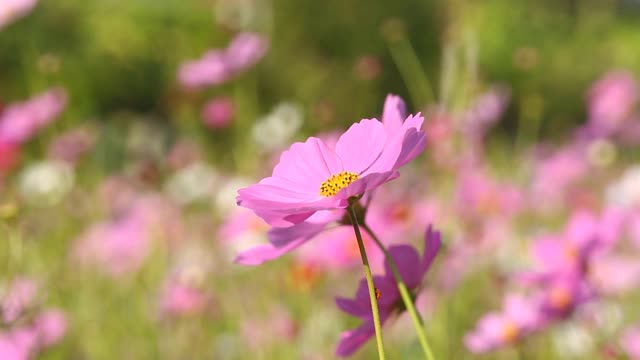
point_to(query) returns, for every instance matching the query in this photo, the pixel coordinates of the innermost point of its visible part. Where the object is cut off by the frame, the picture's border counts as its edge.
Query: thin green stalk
(406, 297)
(372, 290)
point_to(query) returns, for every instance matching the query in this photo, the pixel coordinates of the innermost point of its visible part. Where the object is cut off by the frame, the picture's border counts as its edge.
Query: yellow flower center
(337, 182)
(560, 298)
(510, 332)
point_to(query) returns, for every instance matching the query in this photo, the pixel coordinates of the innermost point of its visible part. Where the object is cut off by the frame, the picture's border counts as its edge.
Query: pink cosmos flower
(484, 113)
(555, 174)
(120, 245)
(630, 343)
(11, 10)
(585, 235)
(479, 196)
(245, 50)
(412, 270)
(497, 329)
(396, 216)
(218, 113)
(312, 176)
(20, 122)
(25, 329)
(178, 299)
(72, 145)
(615, 274)
(611, 100)
(21, 294)
(218, 66)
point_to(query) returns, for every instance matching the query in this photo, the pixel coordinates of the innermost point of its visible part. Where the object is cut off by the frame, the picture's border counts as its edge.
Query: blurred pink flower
(497, 329)
(245, 50)
(72, 145)
(121, 245)
(50, 325)
(20, 122)
(218, 113)
(25, 328)
(585, 235)
(218, 66)
(480, 197)
(179, 299)
(615, 274)
(412, 268)
(9, 157)
(630, 343)
(611, 100)
(20, 295)
(484, 112)
(312, 176)
(555, 174)
(11, 10)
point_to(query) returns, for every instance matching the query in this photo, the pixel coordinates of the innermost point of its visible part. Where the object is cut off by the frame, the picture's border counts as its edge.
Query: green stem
(372, 290)
(406, 297)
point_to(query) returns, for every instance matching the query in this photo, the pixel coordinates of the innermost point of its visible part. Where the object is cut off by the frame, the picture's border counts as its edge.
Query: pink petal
(307, 165)
(361, 145)
(394, 112)
(407, 260)
(263, 253)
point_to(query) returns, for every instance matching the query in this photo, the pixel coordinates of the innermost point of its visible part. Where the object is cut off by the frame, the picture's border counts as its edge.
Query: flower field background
(128, 127)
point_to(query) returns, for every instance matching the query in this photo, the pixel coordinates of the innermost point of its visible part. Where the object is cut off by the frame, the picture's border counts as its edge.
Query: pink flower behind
(555, 174)
(412, 268)
(121, 245)
(311, 176)
(182, 299)
(218, 66)
(630, 343)
(611, 100)
(11, 10)
(245, 50)
(20, 122)
(497, 329)
(25, 329)
(218, 113)
(20, 295)
(51, 326)
(72, 145)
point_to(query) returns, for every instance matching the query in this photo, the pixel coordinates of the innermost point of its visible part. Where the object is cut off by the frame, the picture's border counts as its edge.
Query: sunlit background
(127, 126)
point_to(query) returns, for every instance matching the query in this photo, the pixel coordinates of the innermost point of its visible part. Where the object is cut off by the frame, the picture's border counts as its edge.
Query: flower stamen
(337, 182)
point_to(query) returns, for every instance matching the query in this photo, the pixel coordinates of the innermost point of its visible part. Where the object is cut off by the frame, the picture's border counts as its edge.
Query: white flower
(46, 183)
(626, 191)
(195, 182)
(276, 129)
(225, 198)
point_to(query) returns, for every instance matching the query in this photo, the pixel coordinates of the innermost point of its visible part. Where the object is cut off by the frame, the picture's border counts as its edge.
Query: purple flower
(220, 65)
(412, 270)
(497, 329)
(312, 176)
(20, 122)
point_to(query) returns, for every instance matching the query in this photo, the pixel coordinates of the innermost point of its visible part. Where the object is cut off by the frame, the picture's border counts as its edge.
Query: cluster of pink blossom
(27, 327)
